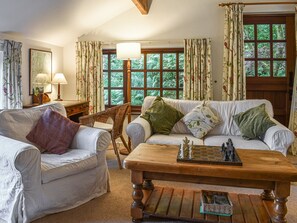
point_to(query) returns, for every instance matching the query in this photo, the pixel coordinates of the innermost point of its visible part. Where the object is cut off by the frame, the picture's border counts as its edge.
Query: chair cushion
(162, 117)
(53, 132)
(254, 122)
(200, 120)
(72, 162)
(173, 139)
(102, 125)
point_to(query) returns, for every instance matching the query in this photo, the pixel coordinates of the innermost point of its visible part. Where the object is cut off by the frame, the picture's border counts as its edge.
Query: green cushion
(161, 116)
(254, 122)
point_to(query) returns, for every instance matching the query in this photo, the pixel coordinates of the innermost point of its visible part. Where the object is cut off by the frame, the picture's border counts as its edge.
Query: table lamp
(59, 78)
(40, 81)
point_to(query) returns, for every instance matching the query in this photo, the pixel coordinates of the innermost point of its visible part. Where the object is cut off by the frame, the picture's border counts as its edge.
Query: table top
(257, 164)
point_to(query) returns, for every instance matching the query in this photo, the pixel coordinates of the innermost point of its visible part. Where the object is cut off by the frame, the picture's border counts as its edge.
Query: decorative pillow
(200, 120)
(161, 116)
(53, 132)
(254, 122)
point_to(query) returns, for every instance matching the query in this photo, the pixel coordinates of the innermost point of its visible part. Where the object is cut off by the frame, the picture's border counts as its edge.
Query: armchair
(34, 184)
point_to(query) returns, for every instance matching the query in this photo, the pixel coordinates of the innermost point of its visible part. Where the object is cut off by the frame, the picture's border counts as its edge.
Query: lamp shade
(59, 78)
(127, 51)
(41, 79)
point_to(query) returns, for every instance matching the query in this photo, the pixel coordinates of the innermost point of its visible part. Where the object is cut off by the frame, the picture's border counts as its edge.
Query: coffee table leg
(281, 191)
(267, 195)
(137, 195)
(148, 185)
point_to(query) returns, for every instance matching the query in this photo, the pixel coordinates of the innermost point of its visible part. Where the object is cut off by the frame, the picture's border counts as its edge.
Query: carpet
(114, 207)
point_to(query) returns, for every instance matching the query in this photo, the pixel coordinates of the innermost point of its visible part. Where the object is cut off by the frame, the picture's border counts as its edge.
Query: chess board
(207, 155)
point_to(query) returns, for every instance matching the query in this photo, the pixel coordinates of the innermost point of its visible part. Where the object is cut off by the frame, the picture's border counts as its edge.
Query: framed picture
(40, 71)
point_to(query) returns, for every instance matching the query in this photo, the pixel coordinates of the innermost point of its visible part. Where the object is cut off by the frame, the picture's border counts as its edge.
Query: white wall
(167, 24)
(57, 62)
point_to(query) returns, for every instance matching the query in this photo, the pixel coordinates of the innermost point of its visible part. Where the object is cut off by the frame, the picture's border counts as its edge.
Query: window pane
(181, 79)
(279, 31)
(181, 61)
(249, 32)
(264, 68)
(169, 79)
(153, 61)
(105, 61)
(169, 61)
(106, 97)
(263, 32)
(249, 68)
(115, 64)
(249, 50)
(279, 50)
(152, 92)
(180, 94)
(169, 94)
(153, 79)
(263, 50)
(137, 97)
(117, 97)
(116, 79)
(105, 79)
(279, 68)
(137, 79)
(138, 64)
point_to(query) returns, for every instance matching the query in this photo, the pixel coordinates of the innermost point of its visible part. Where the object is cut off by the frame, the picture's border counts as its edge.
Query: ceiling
(60, 22)
(57, 21)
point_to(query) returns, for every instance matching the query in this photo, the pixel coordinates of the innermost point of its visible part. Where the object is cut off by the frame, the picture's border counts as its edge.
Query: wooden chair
(118, 115)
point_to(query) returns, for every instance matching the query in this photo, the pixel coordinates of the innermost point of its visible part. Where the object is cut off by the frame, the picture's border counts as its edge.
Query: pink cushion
(53, 132)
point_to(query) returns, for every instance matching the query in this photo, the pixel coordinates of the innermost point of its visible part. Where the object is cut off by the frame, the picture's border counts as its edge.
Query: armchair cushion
(161, 116)
(53, 132)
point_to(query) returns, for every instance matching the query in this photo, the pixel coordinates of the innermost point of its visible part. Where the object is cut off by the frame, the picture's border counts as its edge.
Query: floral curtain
(89, 74)
(293, 114)
(234, 83)
(11, 83)
(198, 74)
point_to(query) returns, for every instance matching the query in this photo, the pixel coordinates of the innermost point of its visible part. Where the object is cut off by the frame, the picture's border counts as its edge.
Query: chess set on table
(219, 155)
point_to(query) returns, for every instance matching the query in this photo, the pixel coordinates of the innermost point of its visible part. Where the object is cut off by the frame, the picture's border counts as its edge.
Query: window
(265, 47)
(158, 72)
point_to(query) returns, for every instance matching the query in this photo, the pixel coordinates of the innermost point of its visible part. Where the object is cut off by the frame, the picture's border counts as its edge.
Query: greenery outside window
(157, 72)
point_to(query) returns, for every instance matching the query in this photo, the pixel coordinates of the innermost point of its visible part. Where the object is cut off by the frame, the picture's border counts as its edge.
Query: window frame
(137, 108)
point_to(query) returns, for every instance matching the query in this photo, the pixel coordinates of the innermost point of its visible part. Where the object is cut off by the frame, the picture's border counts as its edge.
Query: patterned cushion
(53, 132)
(200, 120)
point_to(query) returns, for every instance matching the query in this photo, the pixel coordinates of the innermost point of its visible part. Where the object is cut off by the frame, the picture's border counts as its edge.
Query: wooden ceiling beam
(142, 5)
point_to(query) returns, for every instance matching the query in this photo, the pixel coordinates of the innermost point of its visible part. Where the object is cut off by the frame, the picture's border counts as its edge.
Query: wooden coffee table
(268, 170)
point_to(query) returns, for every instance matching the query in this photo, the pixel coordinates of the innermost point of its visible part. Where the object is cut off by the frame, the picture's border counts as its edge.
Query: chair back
(119, 118)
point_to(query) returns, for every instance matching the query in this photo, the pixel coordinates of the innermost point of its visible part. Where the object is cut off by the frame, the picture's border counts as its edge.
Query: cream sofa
(277, 138)
(34, 184)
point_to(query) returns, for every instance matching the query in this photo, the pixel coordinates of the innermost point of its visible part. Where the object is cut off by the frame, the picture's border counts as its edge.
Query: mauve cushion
(53, 132)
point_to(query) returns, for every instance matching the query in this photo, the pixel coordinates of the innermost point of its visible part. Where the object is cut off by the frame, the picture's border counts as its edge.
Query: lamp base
(58, 99)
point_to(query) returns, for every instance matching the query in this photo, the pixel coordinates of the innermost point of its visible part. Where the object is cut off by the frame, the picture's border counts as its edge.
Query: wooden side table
(74, 109)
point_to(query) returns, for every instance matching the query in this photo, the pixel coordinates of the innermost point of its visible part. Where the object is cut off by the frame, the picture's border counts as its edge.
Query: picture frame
(40, 62)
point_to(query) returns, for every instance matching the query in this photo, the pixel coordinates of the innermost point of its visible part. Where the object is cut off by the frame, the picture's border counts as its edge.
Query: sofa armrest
(92, 139)
(139, 130)
(279, 137)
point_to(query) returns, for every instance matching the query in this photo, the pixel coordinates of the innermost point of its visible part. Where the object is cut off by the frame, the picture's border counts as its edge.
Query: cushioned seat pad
(173, 139)
(238, 142)
(72, 162)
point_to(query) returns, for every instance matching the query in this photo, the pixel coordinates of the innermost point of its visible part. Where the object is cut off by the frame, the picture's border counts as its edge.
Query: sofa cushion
(173, 139)
(254, 122)
(72, 162)
(238, 142)
(162, 117)
(53, 132)
(14, 120)
(200, 120)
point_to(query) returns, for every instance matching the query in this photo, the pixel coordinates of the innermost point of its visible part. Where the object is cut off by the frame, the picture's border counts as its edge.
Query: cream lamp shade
(127, 51)
(59, 78)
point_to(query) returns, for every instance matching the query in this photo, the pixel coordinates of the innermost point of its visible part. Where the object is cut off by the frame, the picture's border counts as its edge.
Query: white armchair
(34, 184)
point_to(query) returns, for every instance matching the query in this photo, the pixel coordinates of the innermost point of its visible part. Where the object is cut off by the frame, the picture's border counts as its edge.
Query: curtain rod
(258, 3)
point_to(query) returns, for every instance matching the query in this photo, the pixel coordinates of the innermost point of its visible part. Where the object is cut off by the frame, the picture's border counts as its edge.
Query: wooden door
(270, 60)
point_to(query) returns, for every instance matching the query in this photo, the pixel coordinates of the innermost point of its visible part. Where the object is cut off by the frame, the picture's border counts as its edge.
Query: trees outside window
(157, 72)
